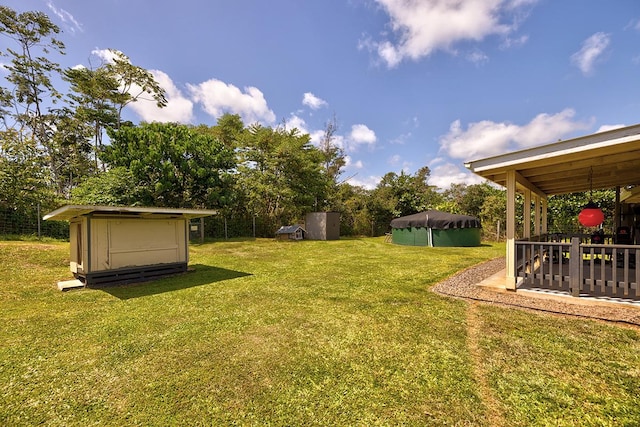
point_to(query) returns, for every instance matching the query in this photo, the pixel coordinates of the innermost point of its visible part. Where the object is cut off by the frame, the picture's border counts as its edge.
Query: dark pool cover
(436, 220)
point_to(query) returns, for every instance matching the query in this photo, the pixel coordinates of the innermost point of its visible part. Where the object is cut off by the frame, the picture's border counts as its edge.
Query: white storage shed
(113, 245)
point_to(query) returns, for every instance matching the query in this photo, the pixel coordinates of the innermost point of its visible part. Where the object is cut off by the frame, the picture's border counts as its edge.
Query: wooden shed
(112, 245)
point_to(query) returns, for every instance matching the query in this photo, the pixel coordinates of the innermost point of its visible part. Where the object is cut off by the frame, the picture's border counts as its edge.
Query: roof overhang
(68, 212)
(602, 160)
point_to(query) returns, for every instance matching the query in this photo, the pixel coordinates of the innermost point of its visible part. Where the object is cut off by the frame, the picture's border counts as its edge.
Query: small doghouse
(290, 232)
(113, 245)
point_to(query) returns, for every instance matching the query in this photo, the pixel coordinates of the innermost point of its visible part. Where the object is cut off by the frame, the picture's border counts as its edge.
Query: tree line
(72, 146)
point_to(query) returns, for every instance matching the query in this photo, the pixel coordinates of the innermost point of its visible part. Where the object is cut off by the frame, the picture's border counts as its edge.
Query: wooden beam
(524, 182)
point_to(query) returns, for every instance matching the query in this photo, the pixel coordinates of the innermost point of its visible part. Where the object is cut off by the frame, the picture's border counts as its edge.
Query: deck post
(526, 214)
(574, 267)
(511, 231)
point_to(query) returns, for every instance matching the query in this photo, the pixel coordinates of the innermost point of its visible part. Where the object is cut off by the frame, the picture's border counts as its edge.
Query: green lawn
(299, 333)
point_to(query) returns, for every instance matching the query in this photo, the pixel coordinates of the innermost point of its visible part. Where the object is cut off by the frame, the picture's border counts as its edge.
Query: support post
(545, 228)
(511, 231)
(574, 267)
(526, 215)
(617, 220)
(538, 218)
(39, 219)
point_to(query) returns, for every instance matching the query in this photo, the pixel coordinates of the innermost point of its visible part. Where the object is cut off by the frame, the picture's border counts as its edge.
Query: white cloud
(312, 101)
(218, 98)
(349, 163)
(477, 57)
(178, 109)
(545, 128)
(605, 128)
(480, 139)
(67, 19)
(297, 122)
(394, 160)
(591, 51)
(369, 182)
(401, 139)
(487, 138)
(361, 135)
(509, 42)
(106, 55)
(444, 175)
(424, 26)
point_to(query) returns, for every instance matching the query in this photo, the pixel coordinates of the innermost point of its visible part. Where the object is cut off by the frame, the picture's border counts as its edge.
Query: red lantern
(591, 215)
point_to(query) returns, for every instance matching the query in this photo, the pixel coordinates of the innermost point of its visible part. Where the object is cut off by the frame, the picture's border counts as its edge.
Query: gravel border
(465, 285)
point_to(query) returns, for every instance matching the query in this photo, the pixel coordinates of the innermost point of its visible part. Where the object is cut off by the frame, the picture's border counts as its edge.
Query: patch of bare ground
(494, 413)
(464, 285)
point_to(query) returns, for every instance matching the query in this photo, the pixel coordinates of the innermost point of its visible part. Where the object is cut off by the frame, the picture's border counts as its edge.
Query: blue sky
(412, 83)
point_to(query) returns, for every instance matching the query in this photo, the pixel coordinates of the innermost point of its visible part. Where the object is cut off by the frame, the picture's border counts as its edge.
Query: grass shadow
(198, 275)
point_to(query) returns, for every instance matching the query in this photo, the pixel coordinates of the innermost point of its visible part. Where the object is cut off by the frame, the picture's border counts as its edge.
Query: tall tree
(228, 130)
(134, 83)
(333, 161)
(23, 180)
(399, 195)
(30, 71)
(72, 157)
(93, 94)
(99, 95)
(280, 173)
(172, 165)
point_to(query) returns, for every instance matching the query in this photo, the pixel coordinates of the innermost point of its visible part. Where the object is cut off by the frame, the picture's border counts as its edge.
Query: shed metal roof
(68, 212)
(289, 229)
(612, 158)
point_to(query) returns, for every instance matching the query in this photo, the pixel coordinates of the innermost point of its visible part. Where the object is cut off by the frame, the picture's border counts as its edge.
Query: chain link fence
(27, 221)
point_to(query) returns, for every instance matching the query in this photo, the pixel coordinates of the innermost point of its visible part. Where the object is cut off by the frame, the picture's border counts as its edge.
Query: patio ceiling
(611, 158)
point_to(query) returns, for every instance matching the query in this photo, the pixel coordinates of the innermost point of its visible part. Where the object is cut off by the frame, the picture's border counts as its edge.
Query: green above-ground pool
(435, 228)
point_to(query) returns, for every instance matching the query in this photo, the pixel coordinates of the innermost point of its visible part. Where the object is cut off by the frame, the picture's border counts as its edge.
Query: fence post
(39, 234)
(574, 267)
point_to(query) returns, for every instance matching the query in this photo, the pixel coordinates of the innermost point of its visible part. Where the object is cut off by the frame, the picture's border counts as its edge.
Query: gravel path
(464, 285)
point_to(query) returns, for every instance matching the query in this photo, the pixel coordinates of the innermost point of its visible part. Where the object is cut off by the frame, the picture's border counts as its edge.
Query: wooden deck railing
(574, 265)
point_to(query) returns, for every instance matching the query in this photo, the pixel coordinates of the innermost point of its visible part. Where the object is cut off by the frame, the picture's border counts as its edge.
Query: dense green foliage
(172, 165)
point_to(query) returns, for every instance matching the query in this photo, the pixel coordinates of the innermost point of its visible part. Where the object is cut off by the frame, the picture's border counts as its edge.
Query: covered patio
(571, 263)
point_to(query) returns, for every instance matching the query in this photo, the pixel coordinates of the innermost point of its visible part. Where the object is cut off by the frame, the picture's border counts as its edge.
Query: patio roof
(611, 157)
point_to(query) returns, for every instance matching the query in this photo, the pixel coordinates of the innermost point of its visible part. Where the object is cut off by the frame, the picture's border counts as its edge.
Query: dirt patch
(494, 411)
(464, 285)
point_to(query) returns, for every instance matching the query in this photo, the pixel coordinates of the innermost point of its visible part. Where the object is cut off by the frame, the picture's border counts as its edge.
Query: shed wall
(410, 236)
(120, 243)
(456, 237)
(322, 225)
(420, 236)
